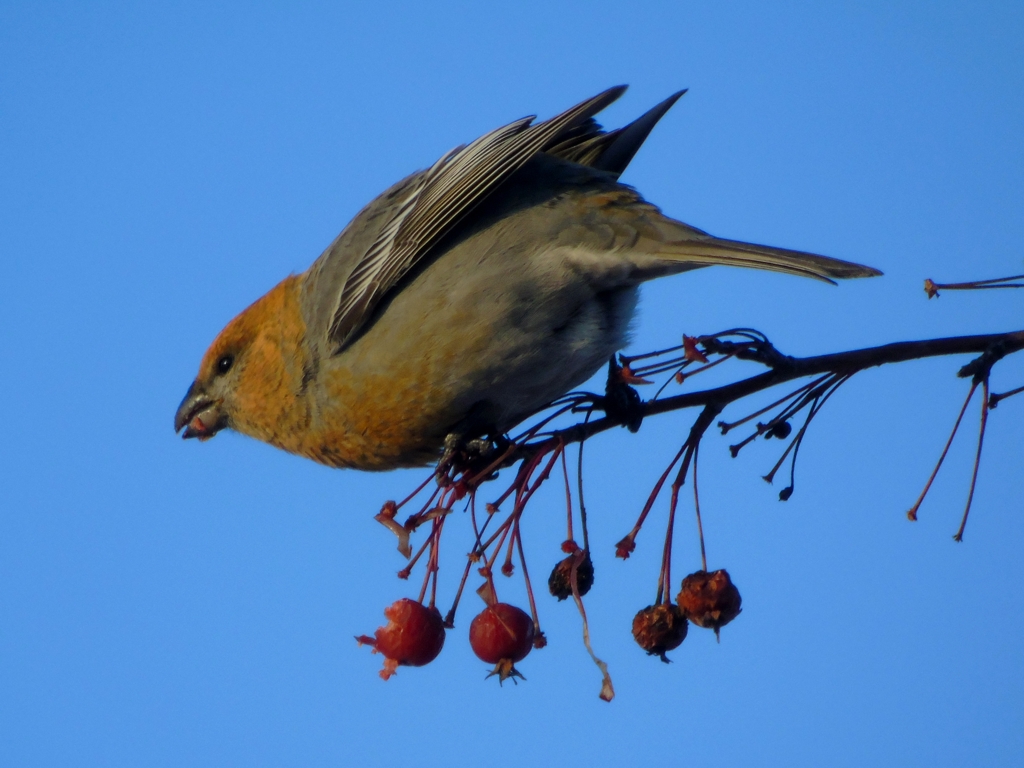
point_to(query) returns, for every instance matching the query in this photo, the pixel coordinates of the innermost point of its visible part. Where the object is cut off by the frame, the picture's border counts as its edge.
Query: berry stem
(997, 397)
(932, 288)
(449, 618)
(568, 499)
(534, 429)
(801, 399)
(626, 360)
(489, 564)
(579, 491)
(665, 576)
(689, 451)
(626, 545)
(817, 398)
(414, 520)
(472, 516)
(435, 558)
(526, 579)
(705, 367)
(607, 690)
(959, 536)
(544, 475)
(677, 376)
(416, 492)
(404, 573)
(912, 513)
(522, 478)
(696, 505)
(430, 577)
(675, 364)
(799, 441)
(507, 567)
(502, 530)
(726, 426)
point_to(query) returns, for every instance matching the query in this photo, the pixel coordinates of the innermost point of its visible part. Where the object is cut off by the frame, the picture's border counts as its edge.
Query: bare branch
(783, 368)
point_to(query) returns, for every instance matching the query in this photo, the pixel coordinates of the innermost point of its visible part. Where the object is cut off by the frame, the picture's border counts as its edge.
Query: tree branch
(782, 368)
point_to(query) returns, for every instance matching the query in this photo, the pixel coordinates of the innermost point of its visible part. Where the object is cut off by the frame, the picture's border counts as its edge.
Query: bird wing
(436, 200)
(610, 151)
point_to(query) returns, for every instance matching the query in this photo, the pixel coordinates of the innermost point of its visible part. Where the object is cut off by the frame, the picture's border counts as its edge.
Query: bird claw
(468, 457)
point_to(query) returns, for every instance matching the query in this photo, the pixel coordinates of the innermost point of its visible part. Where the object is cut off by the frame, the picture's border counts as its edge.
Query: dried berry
(659, 628)
(560, 580)
(709, 600)
(414, 636)
(502, 635)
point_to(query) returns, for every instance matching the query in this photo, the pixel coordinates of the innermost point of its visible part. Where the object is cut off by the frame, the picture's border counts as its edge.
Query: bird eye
(224, 364)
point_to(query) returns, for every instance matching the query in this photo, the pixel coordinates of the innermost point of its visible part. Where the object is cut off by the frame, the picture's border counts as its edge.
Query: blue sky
(168, 603)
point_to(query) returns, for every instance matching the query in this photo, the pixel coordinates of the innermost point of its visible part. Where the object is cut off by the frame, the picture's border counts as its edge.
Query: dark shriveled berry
(659, 628)
(560, 580)
(709, 600)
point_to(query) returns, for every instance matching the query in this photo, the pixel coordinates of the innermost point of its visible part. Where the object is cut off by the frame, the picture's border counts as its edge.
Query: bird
(462, 300)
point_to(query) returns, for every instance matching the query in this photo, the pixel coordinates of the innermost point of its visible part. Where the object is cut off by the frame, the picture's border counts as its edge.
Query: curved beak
(199, 415)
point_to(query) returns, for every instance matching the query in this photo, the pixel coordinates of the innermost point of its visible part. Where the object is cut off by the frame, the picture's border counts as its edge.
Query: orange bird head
(250, 379)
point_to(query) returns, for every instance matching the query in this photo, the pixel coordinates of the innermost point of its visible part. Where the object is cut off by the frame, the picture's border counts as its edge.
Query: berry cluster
(709, 600)
(502, 634)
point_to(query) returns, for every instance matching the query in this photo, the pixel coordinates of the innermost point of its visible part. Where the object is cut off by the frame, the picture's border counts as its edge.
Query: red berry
(414, 636)
(502, 635)
(659, 628)
(709, 600)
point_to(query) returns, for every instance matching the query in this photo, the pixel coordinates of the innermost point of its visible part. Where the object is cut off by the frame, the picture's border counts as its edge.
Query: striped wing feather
(442, 196)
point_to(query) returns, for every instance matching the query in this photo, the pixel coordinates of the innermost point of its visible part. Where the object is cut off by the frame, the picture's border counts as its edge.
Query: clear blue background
(165, 603)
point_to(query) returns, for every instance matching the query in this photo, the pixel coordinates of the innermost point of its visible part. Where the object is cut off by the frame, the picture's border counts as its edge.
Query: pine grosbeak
(461, 300)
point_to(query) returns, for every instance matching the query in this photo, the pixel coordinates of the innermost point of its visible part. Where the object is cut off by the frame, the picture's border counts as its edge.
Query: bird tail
(707, 251)
(678, 247)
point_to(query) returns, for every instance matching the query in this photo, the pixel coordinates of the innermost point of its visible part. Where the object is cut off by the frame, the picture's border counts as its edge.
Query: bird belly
(470, 355)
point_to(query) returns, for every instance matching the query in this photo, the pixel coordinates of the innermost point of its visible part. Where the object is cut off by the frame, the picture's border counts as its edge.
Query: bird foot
(469, 456)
